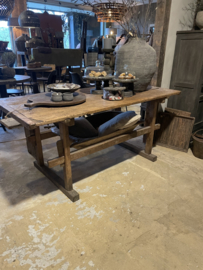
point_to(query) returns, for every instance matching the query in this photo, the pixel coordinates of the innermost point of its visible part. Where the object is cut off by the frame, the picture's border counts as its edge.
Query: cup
(68, 96)
(56, 97)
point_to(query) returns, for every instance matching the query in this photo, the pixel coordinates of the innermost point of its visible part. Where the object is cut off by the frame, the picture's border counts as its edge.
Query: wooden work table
(32, 119)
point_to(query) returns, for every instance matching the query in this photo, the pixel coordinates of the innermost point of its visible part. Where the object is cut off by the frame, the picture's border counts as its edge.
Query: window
(5, 33)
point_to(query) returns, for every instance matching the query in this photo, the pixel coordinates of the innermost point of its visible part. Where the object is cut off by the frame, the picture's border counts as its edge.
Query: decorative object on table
(176, 129)
(8, 59)
(63, 87)
(113, 93)
(56, 97)
(126, 75)
(20, 42)
(6, 9)
(97, 74)
(28, 19)
(140, 59)
(198, 144)
(126, 79)
(45, 100)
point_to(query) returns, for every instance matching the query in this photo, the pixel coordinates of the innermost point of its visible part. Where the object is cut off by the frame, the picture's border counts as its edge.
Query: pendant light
(6, 8)
(28, 19)
(109, 11)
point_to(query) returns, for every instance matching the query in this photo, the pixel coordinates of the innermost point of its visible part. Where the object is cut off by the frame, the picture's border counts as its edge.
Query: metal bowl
(63, 87)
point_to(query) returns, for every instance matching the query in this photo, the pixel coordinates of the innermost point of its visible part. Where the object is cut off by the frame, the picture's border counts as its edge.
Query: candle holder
(109, 60)
(129, 84)
(98, 90)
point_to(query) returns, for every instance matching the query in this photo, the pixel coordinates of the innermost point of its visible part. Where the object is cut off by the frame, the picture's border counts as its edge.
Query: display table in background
(17, 79)
(33, 73)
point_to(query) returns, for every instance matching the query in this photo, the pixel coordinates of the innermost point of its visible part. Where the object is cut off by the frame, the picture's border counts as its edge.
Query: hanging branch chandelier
(6, 8)
(109, 11)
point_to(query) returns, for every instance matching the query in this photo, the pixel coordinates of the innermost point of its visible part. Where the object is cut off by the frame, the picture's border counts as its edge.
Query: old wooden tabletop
(40, 116)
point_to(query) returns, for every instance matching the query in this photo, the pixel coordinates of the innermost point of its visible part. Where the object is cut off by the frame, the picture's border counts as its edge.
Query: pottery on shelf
(139, 58)
(199, 20)
(20, 42)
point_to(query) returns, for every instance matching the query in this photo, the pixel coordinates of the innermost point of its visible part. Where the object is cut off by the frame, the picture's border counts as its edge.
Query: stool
(44, 81)
(16, 92)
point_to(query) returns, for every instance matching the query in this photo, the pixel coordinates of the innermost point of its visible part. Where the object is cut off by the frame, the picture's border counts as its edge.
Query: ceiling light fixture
(28, 19)
(109, 12)
(6, 8)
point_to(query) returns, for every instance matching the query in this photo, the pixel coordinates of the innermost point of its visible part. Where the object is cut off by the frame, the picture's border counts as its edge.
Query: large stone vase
(199, 20)
(138, 58)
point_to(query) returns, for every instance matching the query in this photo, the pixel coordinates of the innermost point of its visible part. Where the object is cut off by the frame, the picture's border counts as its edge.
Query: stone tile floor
(132, 213)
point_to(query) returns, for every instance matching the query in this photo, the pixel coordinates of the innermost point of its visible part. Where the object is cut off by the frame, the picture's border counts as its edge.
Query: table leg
(64, 133)
(34, 146)
(34, 80)
(3, 91)
(150, 120)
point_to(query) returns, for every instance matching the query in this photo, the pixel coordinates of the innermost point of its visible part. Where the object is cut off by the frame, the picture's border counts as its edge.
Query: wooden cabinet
(187, 75)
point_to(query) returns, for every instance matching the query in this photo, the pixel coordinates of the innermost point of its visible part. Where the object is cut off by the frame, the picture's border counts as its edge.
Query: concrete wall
(178, 15)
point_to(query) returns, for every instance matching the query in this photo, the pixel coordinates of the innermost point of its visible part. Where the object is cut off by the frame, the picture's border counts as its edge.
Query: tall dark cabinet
(187, 75)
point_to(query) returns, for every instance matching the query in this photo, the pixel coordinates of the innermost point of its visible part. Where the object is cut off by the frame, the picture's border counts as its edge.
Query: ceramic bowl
(56, 97)
(68, 96)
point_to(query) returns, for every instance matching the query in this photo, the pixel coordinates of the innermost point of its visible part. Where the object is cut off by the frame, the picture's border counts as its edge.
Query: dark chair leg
(1, 117)
(3, 127)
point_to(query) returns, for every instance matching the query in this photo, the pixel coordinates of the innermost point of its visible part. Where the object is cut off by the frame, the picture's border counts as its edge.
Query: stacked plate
(63, 87)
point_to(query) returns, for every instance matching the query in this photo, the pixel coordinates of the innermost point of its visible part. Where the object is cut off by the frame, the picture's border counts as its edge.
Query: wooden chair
(44, 79)
(76, 78)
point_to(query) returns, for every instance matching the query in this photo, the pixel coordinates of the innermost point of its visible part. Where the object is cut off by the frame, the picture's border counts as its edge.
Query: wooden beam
(100, 146)
(106, 137)
(150, 119)
(160, 37)
(43, 135)
(138, 151)
(64, 133)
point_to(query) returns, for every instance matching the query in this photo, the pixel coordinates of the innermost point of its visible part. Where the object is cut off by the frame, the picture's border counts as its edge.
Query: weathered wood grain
(94, 103)
(160, 37)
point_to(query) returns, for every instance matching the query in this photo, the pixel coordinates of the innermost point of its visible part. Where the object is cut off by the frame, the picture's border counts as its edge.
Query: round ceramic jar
(56, 97)
(68, 96)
